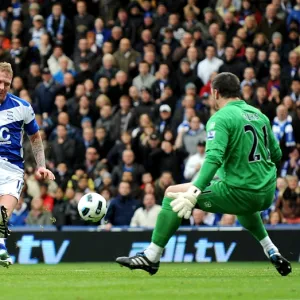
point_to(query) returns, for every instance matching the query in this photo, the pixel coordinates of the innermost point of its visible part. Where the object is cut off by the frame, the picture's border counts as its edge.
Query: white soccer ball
(92, 207)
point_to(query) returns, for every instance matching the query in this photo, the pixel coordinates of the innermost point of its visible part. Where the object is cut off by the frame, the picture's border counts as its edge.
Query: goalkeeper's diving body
(238, 177)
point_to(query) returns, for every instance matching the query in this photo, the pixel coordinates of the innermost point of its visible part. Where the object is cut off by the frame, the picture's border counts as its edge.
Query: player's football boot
(139, 261)
(4, 231)
(282, 265)
(5, 259)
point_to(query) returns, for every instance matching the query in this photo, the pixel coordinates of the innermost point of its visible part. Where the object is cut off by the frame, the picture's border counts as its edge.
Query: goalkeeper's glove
(183, 203)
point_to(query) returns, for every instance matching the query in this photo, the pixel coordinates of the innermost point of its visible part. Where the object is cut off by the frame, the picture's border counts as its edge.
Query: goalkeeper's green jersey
(241, 147)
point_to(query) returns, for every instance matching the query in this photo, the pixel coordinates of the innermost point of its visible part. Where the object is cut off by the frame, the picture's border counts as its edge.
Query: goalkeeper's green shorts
(218, 197)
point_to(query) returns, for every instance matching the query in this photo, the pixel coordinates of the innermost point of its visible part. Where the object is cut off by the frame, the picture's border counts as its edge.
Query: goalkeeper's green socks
(166, 225)
(253, 223)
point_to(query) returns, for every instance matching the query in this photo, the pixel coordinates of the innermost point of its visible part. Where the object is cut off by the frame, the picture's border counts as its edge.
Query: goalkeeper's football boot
(4, 231)
(139, 261)
(282, 265)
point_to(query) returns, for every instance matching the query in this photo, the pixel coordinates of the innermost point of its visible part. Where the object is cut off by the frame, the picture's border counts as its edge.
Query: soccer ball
(92, 207)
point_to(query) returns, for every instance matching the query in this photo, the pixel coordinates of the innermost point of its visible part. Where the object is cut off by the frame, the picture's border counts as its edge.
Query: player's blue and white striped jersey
(16, 115)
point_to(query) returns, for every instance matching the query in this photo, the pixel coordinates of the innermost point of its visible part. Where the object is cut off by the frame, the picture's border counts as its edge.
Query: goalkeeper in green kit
(238, 177)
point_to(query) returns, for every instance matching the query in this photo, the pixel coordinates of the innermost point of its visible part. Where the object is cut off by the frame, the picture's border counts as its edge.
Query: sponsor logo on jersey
(4, 136)
(211, 135)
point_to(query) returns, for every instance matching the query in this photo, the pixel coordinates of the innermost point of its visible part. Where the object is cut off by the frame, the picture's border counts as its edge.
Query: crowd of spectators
(121, 92)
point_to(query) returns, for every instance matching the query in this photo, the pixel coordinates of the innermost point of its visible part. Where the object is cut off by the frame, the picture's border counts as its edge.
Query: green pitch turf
(255, 281)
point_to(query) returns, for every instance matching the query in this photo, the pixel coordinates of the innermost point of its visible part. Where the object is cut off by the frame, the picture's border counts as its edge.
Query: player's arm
(32, 130)
(216, 144)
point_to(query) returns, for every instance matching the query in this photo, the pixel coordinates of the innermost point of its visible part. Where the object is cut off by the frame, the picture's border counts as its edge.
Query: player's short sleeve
(30, 124)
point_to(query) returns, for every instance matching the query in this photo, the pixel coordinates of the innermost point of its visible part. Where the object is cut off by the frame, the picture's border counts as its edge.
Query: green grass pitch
(255, 281)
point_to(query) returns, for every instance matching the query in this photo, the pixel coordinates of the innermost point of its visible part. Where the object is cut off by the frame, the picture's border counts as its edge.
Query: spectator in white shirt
(209, 65)
(195, 162)
(146, 216)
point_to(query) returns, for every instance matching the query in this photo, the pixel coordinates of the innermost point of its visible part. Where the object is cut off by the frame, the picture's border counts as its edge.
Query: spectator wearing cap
(126, 57)
(189, 139)
(185, 75)
(194, 162)
(84, 71)
(283, 130)
(270, 23)
(144, 150)
(83, 21)
(45, 93)
(36, 31)
(146, 216)
(135, 14)
(144, 79)
(210, 64)
(53, 61)
(59, 27)
(165, 119)
(146, 104)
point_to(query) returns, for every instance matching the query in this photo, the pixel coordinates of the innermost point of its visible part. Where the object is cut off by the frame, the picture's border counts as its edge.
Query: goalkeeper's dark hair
(228, 85)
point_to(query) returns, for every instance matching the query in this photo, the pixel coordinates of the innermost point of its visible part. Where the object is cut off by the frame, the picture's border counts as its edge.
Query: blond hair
(6, 67)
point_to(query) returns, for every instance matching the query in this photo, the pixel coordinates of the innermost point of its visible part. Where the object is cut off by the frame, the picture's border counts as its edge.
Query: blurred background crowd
(121, 92)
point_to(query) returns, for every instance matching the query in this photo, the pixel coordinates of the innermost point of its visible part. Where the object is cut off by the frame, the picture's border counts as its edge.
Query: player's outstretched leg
(5, 259)
(253, 223)
(166, 225)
